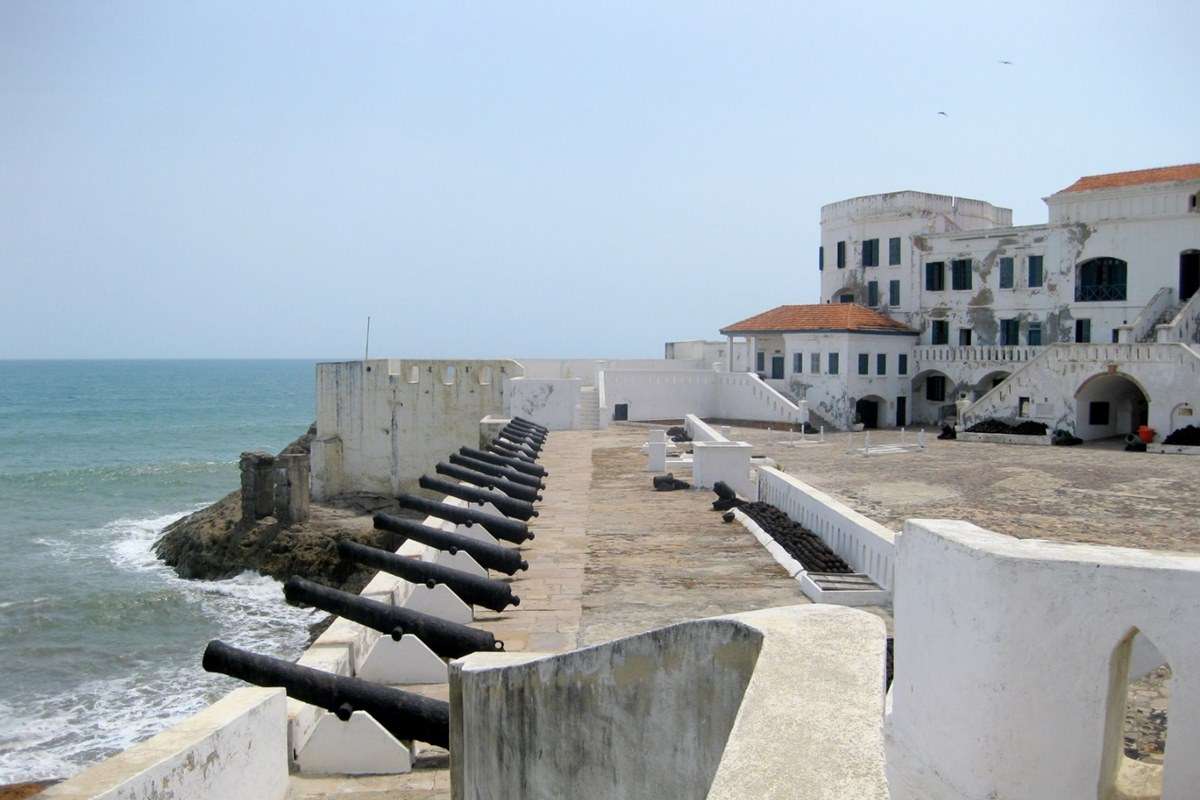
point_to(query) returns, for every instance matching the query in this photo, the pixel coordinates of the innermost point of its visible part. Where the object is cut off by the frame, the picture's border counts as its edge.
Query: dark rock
(668, 483)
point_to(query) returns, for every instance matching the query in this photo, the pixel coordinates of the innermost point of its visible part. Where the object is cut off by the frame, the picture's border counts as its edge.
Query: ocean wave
(111, 472)
(55, 733)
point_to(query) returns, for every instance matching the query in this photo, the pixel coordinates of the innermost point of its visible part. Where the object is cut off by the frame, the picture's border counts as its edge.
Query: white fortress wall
(383, 422)
(1011, 661)
(552, 402)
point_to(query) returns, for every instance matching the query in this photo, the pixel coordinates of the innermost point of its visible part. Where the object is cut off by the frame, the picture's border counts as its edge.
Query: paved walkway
(611, 557)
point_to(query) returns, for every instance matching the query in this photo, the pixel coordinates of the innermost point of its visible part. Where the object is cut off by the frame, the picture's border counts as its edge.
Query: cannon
(510, 530)
(472, 589)
(518, 509)
(518, 464)
(447, 639)
(505, 440)
(534, 425)
(488, 468)
(402, 714)
(490, 556)
(523, 437)
(503, 448)
(485, 481)
(526, 434)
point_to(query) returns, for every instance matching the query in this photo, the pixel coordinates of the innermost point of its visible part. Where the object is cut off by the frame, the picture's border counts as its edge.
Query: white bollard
(657, 461)
(657, 435)
(822, 434)
(867, 443)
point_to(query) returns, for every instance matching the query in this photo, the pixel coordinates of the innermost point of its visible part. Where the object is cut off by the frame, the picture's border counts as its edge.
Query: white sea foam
(54, 735)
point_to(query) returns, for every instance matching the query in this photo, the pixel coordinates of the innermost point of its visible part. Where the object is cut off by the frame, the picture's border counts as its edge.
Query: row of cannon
(507, 476)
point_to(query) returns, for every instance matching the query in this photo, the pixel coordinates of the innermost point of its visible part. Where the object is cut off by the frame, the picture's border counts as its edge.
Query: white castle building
(1087, 323)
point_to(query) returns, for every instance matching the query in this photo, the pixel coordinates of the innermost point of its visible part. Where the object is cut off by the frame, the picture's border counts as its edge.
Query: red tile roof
(1115, 180)
(821, 317)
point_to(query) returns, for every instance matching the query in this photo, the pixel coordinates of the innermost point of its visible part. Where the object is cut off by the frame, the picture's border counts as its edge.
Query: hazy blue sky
(586, 179)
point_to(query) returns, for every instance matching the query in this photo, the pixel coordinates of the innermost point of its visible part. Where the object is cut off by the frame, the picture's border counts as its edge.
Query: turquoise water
(99, 643)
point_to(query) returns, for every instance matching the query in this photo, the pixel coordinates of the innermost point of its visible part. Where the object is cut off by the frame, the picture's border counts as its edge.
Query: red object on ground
(1146, 433)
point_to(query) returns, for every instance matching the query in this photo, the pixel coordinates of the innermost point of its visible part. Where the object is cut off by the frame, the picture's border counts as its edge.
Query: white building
(1087, 323)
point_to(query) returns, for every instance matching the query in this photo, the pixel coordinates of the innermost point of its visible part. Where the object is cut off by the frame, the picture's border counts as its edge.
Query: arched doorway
(1098, 280)
(989, 381)
(1110, 404)
(868, 410)
(933, 396)
(1189, 274)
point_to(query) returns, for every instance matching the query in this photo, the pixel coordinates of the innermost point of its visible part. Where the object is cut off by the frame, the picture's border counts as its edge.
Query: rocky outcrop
(217, 542)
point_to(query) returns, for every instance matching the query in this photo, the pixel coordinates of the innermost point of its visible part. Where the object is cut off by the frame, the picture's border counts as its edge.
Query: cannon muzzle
(490, 556)
(447, 639)
(511, 530)
(519, 509)
(483, 480)
(525, 434)
(531, 424)
(403, 714)
(472, 589)
(518, 464)
(520, 437)
(502, 448)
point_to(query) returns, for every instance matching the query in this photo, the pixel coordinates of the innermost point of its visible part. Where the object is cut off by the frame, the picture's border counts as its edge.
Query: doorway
(867, 412)
(901, 412)
(777, 368)
(1189, 274)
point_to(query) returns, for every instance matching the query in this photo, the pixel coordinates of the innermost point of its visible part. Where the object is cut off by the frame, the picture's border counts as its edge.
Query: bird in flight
(943, 114)
(1005, 61)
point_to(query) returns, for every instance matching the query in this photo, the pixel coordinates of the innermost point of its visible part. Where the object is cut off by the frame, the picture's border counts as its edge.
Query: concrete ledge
(784, 702)
(1004, 438)
(233, 748)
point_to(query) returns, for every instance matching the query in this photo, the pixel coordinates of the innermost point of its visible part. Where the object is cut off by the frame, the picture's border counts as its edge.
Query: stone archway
(870, 411)
(1110, 404)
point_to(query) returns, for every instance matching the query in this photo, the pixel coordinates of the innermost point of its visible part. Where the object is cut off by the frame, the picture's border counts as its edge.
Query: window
(964, 337)
(902, 363)
(821, 259)
(1006, 273)
(939, 332)
(881, 363)
(893, 293)
(1010, 332)
(935, 388)
(841, 255)
(1023, 405)
(872, 293)
(814, 363)
(1083, 331)
(960, 274)
(1035, 272)
(870, 252)
(833, 363)
(1100, 279)
(1034, 335)
(846, 298)
(864, 364)
(893, 251)
(797, 362)
(1116, 335)
(760, 361)
(1098, 413)
(935, 276)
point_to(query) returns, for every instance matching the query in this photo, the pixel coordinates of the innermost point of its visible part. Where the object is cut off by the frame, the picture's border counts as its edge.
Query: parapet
(967, 214)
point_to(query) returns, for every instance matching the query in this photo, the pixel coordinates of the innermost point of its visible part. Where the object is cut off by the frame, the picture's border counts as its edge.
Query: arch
(989, 381)
(1101, 279)
(1110, 404)
(1182, 415)
(843, 296)
(1189, 273)
(933, 394)
(1135, 730)
(870, 410)
(449, 375)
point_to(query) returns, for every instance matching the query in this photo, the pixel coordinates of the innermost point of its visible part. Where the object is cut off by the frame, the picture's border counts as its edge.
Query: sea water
(100, 643)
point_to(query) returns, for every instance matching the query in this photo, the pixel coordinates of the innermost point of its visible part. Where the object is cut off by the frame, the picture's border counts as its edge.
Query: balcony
(1100, 293)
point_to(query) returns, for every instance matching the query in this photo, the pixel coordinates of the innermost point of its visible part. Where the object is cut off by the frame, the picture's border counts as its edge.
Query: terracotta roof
(1115, 180)
(819, 317)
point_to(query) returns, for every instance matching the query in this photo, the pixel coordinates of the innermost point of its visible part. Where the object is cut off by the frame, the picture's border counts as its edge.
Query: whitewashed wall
(663, 394)
(384, 421)
(1008, 663)
(549, 402)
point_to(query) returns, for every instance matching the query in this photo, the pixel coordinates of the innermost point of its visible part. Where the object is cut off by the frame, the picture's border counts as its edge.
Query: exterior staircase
(589, 409)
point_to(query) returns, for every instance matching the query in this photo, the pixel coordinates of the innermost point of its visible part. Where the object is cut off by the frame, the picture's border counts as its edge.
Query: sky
(244, 180)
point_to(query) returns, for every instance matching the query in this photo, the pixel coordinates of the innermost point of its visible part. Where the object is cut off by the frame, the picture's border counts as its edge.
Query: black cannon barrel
(518, 509)
(511, 530)
(521, 443)
(503, 448)
(472, 589)
(504, 439)
(486, 481)
(525, 433)
(491, 556)
(447, 639)
(531, 424)
(488, 468)
(403, 714)
(519, 464)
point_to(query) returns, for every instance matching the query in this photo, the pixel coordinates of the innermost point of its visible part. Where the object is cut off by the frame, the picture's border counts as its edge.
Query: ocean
(99, 642)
